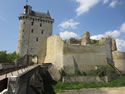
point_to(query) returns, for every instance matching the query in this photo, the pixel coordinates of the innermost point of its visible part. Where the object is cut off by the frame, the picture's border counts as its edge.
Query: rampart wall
(83, 58)
(73, 58)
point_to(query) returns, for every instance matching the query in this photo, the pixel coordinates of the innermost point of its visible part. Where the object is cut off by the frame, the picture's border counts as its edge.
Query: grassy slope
(69, 86)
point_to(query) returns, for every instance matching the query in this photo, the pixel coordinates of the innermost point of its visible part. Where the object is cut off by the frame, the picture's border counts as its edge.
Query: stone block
(85, 38)
(54, 72)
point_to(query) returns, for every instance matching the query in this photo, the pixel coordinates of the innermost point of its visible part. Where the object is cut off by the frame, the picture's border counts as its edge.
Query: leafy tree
(3, 56)
(95, 41)
(7, 58)
(12, 56)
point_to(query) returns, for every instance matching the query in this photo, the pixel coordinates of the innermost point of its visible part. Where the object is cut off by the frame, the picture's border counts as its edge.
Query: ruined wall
(73, 58)
(119, 60)
(83, 58)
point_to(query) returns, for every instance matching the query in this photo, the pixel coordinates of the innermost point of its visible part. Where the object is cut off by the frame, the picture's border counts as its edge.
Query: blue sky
(72, 18)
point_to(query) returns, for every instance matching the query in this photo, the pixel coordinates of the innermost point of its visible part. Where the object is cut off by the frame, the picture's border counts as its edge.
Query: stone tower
(85, 38)
(34, 29)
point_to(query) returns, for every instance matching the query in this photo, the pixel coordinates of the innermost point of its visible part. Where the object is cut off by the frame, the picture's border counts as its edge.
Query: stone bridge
(32, 80)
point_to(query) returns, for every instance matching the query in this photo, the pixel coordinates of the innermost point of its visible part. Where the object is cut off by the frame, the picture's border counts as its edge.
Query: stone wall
(26, 83)
(120, 90)
(73, 58)
(119, 60)
(55, 51)
(72, 79)
(83, 58)
(34, 80)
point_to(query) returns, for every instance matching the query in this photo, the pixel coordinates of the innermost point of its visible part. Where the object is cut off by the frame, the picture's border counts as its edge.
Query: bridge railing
(29, 82)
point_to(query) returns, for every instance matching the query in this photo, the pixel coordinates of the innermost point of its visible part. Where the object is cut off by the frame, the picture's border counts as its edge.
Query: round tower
(34, 29)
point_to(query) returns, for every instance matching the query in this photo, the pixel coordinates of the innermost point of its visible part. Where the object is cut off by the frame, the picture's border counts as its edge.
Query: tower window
(37, 39)
(23, 30)
(32, 23)
(42, 32)
(32, 30)
(40, 25)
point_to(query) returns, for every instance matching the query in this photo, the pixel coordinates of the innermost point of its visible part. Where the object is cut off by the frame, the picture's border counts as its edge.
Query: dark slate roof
(39, 14)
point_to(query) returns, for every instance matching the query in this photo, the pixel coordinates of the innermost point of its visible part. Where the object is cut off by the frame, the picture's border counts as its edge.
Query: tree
(3, 57)
(7, 58)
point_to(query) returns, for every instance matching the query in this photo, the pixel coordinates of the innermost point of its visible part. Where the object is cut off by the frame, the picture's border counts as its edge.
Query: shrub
(101, 71)
(95, 41)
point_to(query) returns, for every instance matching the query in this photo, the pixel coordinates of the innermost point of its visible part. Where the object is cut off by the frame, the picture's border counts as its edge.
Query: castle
(36, 39)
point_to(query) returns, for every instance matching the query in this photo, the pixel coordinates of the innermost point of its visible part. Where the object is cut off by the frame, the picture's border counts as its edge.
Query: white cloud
(113, 34)
(69, 24)
(105, 1)
(113, 3)
(123, 27)
(67, 35)
(97, 37)
(120, 44)
(85, 5)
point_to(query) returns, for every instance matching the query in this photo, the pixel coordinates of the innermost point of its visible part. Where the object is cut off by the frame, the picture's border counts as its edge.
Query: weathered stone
(74, 58)
(74, 41)
(114, 48)
(54, 72)
(55, 51)
(102, 41)
(79, 79)
(111, 42)
(25, 60)
(32, 38)
(119, 60)
(85, 39)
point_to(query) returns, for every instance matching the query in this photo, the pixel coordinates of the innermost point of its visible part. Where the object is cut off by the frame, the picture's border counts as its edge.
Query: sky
(72, 18)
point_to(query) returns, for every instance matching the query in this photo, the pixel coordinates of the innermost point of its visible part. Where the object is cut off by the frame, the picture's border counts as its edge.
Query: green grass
(60, 86)
(95, 42)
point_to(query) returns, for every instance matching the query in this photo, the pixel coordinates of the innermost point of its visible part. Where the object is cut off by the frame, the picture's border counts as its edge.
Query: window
(42, 32)
(32, 23)
(37, 39)
(32, 30)
(23, 30)
(40, 25)
(23, 22)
